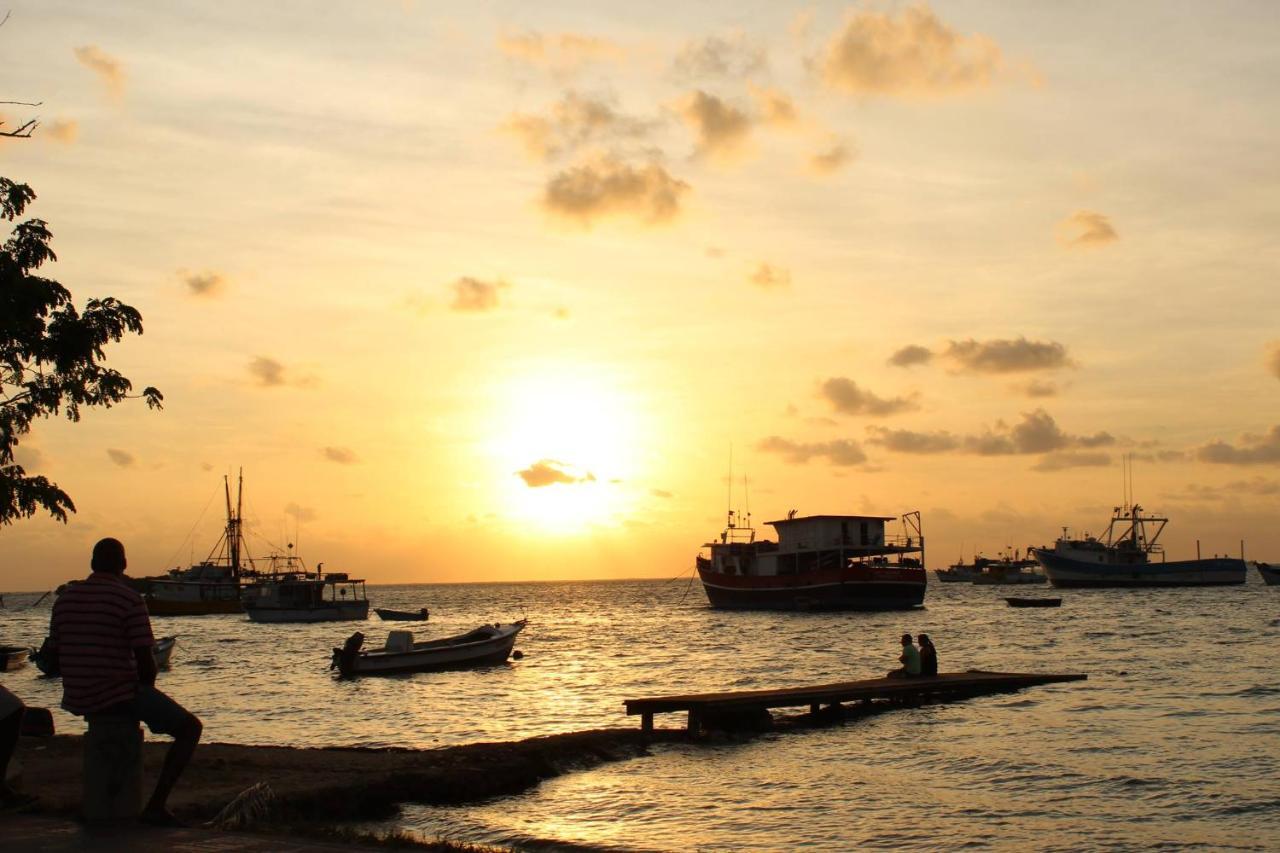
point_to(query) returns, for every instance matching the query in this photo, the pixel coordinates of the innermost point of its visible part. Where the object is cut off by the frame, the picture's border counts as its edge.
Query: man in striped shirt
(103, 638)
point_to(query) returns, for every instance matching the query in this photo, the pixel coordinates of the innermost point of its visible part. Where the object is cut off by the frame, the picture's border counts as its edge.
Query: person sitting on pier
(928, 656)
(910, 658)
(102, 634)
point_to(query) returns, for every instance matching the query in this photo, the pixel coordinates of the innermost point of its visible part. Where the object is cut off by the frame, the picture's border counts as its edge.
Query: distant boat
(1124, 558)
(488, 644)
(820, 562)
(303, 596)
(1270, 573)
(387, 615)
(162, 650)
(13, 657)
(210, 586)
(962, 572)
(1034, 602)
(1009, 569)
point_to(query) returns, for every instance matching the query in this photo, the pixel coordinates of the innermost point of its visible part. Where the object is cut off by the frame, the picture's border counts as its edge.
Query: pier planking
(974, 682)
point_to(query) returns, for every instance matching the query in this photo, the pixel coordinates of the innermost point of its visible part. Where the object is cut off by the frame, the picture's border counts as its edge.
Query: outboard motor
(344, 659)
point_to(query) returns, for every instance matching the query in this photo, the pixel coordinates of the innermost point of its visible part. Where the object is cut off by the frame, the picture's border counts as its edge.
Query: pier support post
(646, 724)
(814, 707)
(695, 722)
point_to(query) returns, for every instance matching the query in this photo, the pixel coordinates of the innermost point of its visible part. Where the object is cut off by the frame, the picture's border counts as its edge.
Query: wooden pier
(708, 706)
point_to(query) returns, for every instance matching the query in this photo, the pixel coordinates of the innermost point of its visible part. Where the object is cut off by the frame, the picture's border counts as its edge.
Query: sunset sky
(492, 293)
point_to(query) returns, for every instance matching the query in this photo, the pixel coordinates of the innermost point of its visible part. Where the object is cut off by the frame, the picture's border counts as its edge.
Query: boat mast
(233, 523)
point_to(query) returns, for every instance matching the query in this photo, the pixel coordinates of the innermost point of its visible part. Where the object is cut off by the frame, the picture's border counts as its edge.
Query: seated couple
(916, 662)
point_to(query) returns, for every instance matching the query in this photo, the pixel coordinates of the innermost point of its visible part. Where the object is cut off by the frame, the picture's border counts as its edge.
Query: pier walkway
(707, 706)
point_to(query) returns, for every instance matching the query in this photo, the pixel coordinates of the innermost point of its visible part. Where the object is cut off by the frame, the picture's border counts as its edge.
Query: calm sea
(1174, 741)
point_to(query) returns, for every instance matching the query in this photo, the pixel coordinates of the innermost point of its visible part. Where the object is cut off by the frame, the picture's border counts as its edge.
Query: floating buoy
(517, 655)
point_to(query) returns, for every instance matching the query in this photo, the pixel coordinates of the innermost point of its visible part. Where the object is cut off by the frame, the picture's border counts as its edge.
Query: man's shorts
(151, 706)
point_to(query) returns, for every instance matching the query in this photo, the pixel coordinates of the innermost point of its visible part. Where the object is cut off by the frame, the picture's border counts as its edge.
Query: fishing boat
(303, 596)
(1034, 602)
(47, 663)
(1009, 569)
(486, 645)
(211, 586)
(819, 562)
(1126, 557)
(387, 615)
(962, 572)
(13, 657)
(1270, 573)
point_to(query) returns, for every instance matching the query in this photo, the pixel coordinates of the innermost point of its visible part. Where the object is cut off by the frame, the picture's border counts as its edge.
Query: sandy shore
(339, 784)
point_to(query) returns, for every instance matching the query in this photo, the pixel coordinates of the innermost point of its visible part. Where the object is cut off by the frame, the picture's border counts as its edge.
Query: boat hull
(438, 657)
(346, 612)
(1270, 573)
(858, 588)
(953, 576)
(1067, 573)
(1009, 580)
(189, 598)
(13, 657)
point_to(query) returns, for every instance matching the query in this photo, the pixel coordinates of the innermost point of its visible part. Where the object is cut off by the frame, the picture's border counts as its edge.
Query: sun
(566, 446)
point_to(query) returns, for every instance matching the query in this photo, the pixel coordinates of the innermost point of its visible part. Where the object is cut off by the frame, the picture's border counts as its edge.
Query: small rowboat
(13, 657)
(1034, 602)
(402, 615)
(163, 650)
(1270, 572)
(486, 645)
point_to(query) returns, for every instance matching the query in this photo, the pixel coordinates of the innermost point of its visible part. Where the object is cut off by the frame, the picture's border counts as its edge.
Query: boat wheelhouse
(1124, 557)
(304, 596)
(819, 562)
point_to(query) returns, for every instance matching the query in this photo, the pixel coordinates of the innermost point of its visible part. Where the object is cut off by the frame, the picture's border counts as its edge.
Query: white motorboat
(488, 644)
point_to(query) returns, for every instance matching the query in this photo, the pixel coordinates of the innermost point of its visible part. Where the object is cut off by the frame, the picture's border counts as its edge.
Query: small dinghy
(1270, 572)
(48, 664)
(488, 644)
(13, 657)
(1034, 602)
(402, 615)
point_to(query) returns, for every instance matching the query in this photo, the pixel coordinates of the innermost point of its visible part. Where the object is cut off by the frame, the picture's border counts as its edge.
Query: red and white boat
(820, 562)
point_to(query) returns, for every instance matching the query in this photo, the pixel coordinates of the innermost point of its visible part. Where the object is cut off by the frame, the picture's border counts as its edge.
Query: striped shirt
(96, 625)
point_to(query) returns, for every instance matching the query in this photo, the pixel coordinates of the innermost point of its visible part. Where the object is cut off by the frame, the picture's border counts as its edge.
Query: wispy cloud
(561, 53)
(841, 452)
(109, 69)
(473, 296)
(911, 355)
(775, 106)
(1273, 359)
(721, 128)
(1036, 388)
(1085, 229)
(608, 188)
(769, 277)
(340, 455)
(574, 121)
(269, 373)
(1035, 433)
(301, 514)
(204, 283)
(123, 458)
(911, 54)
(1064, 460)
(831, 159)
(65, 131)
(734, 56)
(1251, 449)
(846, 397)
(1007, 356)
(549, 472)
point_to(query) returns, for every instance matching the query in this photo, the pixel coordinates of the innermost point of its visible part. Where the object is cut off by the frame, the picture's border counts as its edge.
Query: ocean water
(1174, 741)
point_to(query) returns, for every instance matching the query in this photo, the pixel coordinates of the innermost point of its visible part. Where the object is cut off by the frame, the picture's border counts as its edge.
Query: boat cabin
(818, 543)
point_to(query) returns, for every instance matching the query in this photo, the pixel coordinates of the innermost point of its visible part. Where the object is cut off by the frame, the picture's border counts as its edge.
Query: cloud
(908, 441)
(301, 514)
(1252, 450)
(914, 54)
(548, 472)
(204, 283)
(846, 397)
(572, 122)
(107, 67)
(1273, 359)
(721, 128)
(1258, 486)
(1007, 356)
(843, 452)
(340, 455)
(735, 56)
(1036, 388)
(661, 493)
(28, 456)
(776, 106)
(609, 187)
(267, 371)
(831, 159)
(63, 130)
(1086, 229)
(911, 355)
(768, 277)
(471, 295)
(1071, 459)
(123, 458)
(559, 52)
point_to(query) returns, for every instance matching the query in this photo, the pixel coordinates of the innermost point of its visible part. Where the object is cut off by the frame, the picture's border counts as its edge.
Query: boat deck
(700, 706)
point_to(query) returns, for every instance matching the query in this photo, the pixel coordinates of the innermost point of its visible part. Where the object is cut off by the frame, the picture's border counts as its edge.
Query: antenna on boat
(729, 506)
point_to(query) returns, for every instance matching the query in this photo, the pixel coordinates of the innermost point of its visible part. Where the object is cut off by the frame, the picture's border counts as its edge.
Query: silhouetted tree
(50, 355)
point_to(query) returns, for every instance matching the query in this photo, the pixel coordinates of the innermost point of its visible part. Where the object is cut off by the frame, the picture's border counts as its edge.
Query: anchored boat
(1270, 573)
(820, 562)
(488, 644)
(1010, 569)
(302, 596)
(1125, 557)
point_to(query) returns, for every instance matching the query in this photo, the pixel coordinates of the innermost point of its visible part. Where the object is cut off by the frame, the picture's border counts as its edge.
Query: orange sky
(490, 294)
